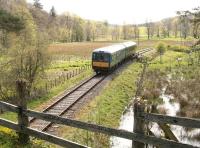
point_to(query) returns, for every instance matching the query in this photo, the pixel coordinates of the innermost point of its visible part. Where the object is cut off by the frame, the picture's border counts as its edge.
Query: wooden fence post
(139, 124)
(46, 87)
(166, 128)
(64, 75)
(22, 118)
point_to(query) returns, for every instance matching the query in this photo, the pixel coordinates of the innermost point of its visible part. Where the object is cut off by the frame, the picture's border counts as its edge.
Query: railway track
(143, 51)
(65, 103)
(61, 106)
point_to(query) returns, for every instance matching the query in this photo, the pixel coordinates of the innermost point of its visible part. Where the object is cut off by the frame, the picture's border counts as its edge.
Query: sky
(120, 11)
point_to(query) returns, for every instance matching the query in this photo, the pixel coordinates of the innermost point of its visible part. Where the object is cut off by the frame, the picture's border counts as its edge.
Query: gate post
(22, 118)
(139, 124)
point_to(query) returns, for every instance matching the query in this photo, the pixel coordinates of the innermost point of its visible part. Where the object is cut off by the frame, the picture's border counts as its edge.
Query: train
(107, 58)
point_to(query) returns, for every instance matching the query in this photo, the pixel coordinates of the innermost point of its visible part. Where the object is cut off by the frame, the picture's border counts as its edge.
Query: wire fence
(61, 79)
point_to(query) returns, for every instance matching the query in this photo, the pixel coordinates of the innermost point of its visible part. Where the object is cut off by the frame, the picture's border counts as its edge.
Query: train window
(100, 57)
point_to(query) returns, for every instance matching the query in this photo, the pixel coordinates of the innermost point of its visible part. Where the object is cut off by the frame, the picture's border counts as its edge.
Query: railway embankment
(106, 109)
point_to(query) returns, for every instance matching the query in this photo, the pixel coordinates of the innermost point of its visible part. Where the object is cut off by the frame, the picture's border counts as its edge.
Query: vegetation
(39, 47)
(106, 108)
(161, 50)
(8, 139)
(179, 74)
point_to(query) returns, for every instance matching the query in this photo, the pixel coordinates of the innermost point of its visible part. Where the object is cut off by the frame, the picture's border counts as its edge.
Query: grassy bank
(8, 138)
(106, 109)
(38, 103)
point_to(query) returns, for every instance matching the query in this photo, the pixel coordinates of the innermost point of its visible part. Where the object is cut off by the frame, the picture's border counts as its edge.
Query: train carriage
(106, 58)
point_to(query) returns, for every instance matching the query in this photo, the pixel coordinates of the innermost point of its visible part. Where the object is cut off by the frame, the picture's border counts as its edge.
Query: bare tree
(196, 22)
(184, 21)
(157, 28)
(167, 26)
(175, 27)
(148, 28)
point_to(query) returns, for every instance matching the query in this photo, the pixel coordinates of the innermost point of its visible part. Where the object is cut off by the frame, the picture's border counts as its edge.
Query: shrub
(179, 48)
(161, 48)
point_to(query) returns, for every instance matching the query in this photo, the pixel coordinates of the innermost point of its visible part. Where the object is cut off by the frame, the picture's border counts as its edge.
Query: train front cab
(101, 62)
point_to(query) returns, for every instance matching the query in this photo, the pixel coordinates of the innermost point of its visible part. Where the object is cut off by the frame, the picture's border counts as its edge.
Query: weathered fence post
(46, 87)
(22, 118)
(55, 82)
(139, 124)
(64, 77)
(166, 128)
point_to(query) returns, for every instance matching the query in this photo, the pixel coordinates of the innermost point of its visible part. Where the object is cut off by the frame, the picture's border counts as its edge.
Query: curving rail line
(63, 105)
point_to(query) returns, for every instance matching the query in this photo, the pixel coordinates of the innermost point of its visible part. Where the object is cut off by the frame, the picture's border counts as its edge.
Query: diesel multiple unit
(106, 58)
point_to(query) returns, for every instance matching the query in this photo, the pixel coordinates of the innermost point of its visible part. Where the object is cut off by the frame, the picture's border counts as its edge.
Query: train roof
(115, 48)
(128, 44)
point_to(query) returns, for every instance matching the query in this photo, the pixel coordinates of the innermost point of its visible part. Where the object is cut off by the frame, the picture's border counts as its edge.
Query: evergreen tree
(53, 12)
(37, 4)
(9, 22)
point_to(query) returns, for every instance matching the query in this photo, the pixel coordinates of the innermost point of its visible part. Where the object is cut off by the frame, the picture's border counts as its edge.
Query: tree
(53, 12)
(88, 31)
(157, 28)
(163, 30)
(125, 31)
(175, 27)
(37, 4)
(148, 28)
(9, 22)
(161, 50)
(167, 26)
(115, 32)
(77, 30)
(25, 56)
(184, 21)
(196, 22)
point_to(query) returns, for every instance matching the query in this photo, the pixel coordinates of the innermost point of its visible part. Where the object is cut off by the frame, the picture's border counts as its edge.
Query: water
(171, 108)
(126, 124)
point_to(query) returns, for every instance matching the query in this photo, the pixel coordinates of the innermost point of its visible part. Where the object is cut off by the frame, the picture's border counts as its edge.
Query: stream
(171, 108)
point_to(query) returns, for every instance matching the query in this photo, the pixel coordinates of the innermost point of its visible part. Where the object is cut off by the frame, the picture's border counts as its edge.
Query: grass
(77, 49)
(168, 60)
(36, 103)
(68, 65)
(8, 139)
(106, 109)
(183, 83)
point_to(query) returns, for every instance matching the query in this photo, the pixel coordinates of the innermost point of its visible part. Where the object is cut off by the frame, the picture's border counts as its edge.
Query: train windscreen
(104, 57)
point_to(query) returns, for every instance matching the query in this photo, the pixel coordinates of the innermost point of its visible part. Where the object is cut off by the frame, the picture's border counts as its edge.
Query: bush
(161, 48)
(179, 48)
(196, 48)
